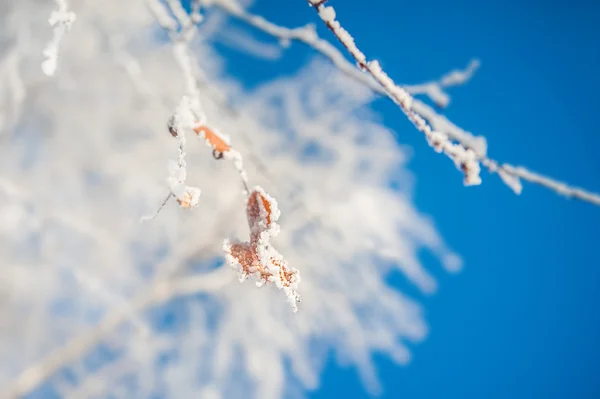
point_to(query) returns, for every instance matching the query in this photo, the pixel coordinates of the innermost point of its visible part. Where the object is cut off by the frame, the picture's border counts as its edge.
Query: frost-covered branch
(258, 258)
(328, 165)
(510, 175)
(435, 88)
(60, 20)
(160, 292)
(308, 35)
(465, 157)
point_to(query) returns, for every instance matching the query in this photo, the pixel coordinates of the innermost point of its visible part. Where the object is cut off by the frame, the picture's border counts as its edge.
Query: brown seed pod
(171, 126)
(217, 154)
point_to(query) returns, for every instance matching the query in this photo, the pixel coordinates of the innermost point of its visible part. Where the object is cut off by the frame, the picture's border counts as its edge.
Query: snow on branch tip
(61, 21)
(467, 157)
(256, 258)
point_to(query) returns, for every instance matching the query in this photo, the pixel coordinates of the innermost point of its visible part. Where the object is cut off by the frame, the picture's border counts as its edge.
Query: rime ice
(465, 159)
(256, 258)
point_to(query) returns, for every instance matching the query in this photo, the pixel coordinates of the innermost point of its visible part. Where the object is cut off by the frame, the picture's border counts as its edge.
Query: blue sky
(521, 320)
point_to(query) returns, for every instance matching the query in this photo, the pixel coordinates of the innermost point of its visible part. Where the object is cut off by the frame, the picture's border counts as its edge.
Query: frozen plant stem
(308, 36)
(60, 20)
(465, 158)
(160, 207)
(257, 258)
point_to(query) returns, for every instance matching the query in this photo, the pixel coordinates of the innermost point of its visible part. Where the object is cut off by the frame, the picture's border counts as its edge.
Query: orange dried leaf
(190, 198)
(212, 138)
(288, 277)
(253, 209)
(262, 213)
(243, 255)
(186, 202)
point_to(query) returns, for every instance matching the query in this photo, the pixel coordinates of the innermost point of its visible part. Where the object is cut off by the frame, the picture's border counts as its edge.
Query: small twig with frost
(308, 35)
(464, 158)
(258, 256)
(441, 141)
(161, 15)
(509, 174)
(153, 216)
(434, 89)
(187, 197)
(60, 20)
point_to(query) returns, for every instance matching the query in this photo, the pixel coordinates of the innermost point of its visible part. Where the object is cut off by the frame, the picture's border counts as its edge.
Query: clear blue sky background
(522, 319)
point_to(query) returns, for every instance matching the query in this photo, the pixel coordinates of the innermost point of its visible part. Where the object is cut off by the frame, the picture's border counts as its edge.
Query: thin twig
(404, 101)
(157, 211)
(307, 35)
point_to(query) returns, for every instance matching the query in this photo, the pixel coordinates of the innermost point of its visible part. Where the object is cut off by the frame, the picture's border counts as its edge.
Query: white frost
(60, 20)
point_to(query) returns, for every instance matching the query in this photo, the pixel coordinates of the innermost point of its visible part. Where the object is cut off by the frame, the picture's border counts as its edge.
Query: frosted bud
(327, 14)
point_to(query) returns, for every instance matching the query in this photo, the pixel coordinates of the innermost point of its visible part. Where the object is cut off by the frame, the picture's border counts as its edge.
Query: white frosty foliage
(464, 158)
(88, 158)
(187, 196)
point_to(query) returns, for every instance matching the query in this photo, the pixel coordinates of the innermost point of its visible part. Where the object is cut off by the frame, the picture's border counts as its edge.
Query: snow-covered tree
(115, 111)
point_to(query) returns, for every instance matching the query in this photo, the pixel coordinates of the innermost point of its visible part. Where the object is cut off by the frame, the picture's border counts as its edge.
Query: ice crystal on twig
(463, 157)
(467, 152)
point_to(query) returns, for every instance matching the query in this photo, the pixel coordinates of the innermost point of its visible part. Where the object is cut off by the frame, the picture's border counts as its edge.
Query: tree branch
(509, 174)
